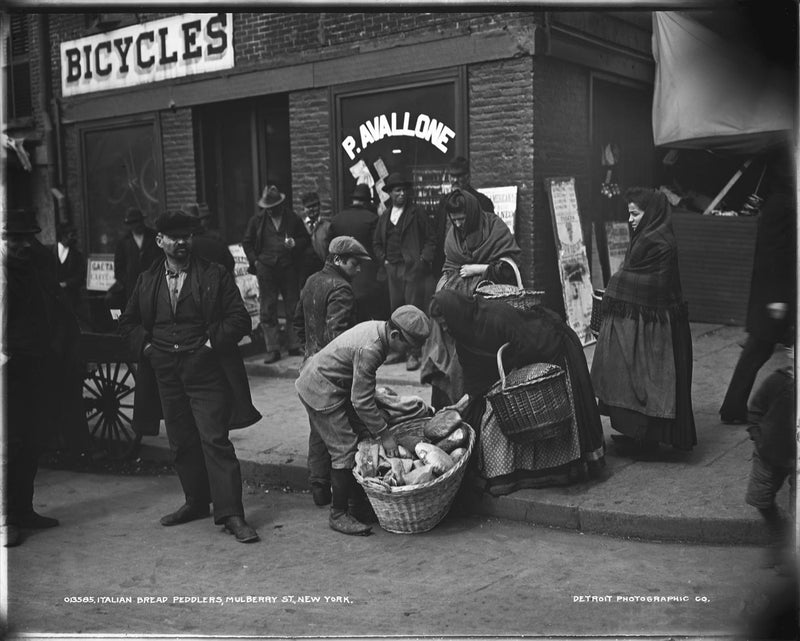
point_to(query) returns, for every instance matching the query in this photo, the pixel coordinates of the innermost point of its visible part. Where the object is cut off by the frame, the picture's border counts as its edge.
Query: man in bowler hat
(184, 320)
(359, 221)
(405, 244)
(274, 242)
(134, 253)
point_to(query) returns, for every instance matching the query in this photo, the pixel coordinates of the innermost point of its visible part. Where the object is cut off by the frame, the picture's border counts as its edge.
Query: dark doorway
(241, 146)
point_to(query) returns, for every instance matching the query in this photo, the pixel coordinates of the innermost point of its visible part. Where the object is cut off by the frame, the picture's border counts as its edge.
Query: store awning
(711, 93)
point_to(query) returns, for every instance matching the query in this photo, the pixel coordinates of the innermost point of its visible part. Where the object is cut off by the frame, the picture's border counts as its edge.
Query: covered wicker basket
(532, 403)
(515, 295)
(411, 509)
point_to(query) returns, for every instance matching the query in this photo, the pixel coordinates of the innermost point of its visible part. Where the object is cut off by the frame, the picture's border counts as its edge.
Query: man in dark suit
(274, 241)
(39, 328)
(184, 320)
(71, 271)
(771, 309)
(134, 253)
(359, 221)
(404, 244)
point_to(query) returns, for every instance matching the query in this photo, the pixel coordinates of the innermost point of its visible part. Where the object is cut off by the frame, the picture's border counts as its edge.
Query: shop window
(414, 126)
(122, 169)
(17, 69)
(242, 146)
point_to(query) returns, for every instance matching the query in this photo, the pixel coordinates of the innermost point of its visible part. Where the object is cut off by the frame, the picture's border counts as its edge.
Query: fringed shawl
(648, 283)
(485, 238)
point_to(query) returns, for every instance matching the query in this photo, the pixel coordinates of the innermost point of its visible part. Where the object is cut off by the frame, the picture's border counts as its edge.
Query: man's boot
(359, 506)
(342, 482)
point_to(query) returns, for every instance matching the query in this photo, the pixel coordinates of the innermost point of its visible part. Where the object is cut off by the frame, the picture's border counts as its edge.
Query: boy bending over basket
(337, 388)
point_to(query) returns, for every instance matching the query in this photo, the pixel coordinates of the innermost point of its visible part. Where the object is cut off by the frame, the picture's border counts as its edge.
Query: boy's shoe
(346, 524)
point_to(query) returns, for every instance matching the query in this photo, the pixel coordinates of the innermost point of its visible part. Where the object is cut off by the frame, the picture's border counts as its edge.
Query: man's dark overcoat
(130, 261)
(418, 242)
(227, 321)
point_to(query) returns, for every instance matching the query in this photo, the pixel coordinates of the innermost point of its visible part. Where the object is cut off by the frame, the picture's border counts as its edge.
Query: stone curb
(566, 516)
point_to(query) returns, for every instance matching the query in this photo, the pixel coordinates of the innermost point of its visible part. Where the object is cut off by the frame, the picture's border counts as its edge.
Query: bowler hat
(395, 179)
(177, 223)
(412, 322)
(20, 221)
(348, 246)
(200, 210)
(271, 197)
(133, 215)
(459, 166)
(362, 192)
(310, 199)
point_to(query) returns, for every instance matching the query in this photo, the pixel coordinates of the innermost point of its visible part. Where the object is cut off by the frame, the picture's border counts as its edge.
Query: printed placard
(99, 272)
(504, 200)
(573, 265)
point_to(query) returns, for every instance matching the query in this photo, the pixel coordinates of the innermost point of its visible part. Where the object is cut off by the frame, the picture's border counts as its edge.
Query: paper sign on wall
(99, 272)
(504, 200)
(573, 265)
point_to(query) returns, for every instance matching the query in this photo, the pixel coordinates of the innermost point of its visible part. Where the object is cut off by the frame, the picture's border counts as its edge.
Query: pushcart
(108, 387)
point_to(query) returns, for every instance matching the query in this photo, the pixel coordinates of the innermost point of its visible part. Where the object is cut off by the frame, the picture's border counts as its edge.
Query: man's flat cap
(348, 246)
(412, 322)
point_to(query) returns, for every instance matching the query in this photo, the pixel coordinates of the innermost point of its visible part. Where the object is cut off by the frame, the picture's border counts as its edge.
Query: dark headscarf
(484, 238)
(648, 283)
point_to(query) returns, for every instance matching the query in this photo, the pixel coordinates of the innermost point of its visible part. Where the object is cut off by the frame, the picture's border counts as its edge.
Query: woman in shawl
(478, 246)
(480, 327)
(642, 366)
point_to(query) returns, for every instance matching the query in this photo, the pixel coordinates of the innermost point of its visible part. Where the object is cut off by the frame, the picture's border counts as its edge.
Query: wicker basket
(597, 311)
(531, 403)
(516, 296)
(410, 509)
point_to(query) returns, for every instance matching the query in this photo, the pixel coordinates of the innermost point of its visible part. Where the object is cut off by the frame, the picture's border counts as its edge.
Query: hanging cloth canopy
(712, 94)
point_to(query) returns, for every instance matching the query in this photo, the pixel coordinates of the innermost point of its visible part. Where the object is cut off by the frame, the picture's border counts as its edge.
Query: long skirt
(642, 375)
(506, 466)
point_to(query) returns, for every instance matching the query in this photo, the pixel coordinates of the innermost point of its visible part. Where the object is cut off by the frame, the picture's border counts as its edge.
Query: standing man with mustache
(184, 320)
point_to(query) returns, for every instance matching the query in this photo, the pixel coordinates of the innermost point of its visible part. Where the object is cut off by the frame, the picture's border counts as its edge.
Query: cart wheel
(107, 396)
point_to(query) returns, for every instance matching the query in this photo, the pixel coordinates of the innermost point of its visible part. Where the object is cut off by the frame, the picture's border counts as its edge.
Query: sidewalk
(695, 497)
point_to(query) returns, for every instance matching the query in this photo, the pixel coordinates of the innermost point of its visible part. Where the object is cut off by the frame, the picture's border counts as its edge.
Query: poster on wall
(618, 237)
(99, 272)
(573, 265)
(504, 200)
(247, 283)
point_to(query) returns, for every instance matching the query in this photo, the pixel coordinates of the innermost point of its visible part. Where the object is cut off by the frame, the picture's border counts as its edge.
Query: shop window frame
(455, 75)
(83, 129)
(17, 67)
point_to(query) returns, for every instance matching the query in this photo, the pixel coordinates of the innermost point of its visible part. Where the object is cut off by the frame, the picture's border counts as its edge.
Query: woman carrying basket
(478, 247)
(480, 328)
(642, 366)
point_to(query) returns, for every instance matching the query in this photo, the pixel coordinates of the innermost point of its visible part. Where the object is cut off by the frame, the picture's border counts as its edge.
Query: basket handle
(500, 365)
(505, 259)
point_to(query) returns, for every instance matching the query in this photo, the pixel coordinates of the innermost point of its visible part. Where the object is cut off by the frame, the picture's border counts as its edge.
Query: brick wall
(501, 139)
(309, 126)
(178, 157)
(561, 130)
